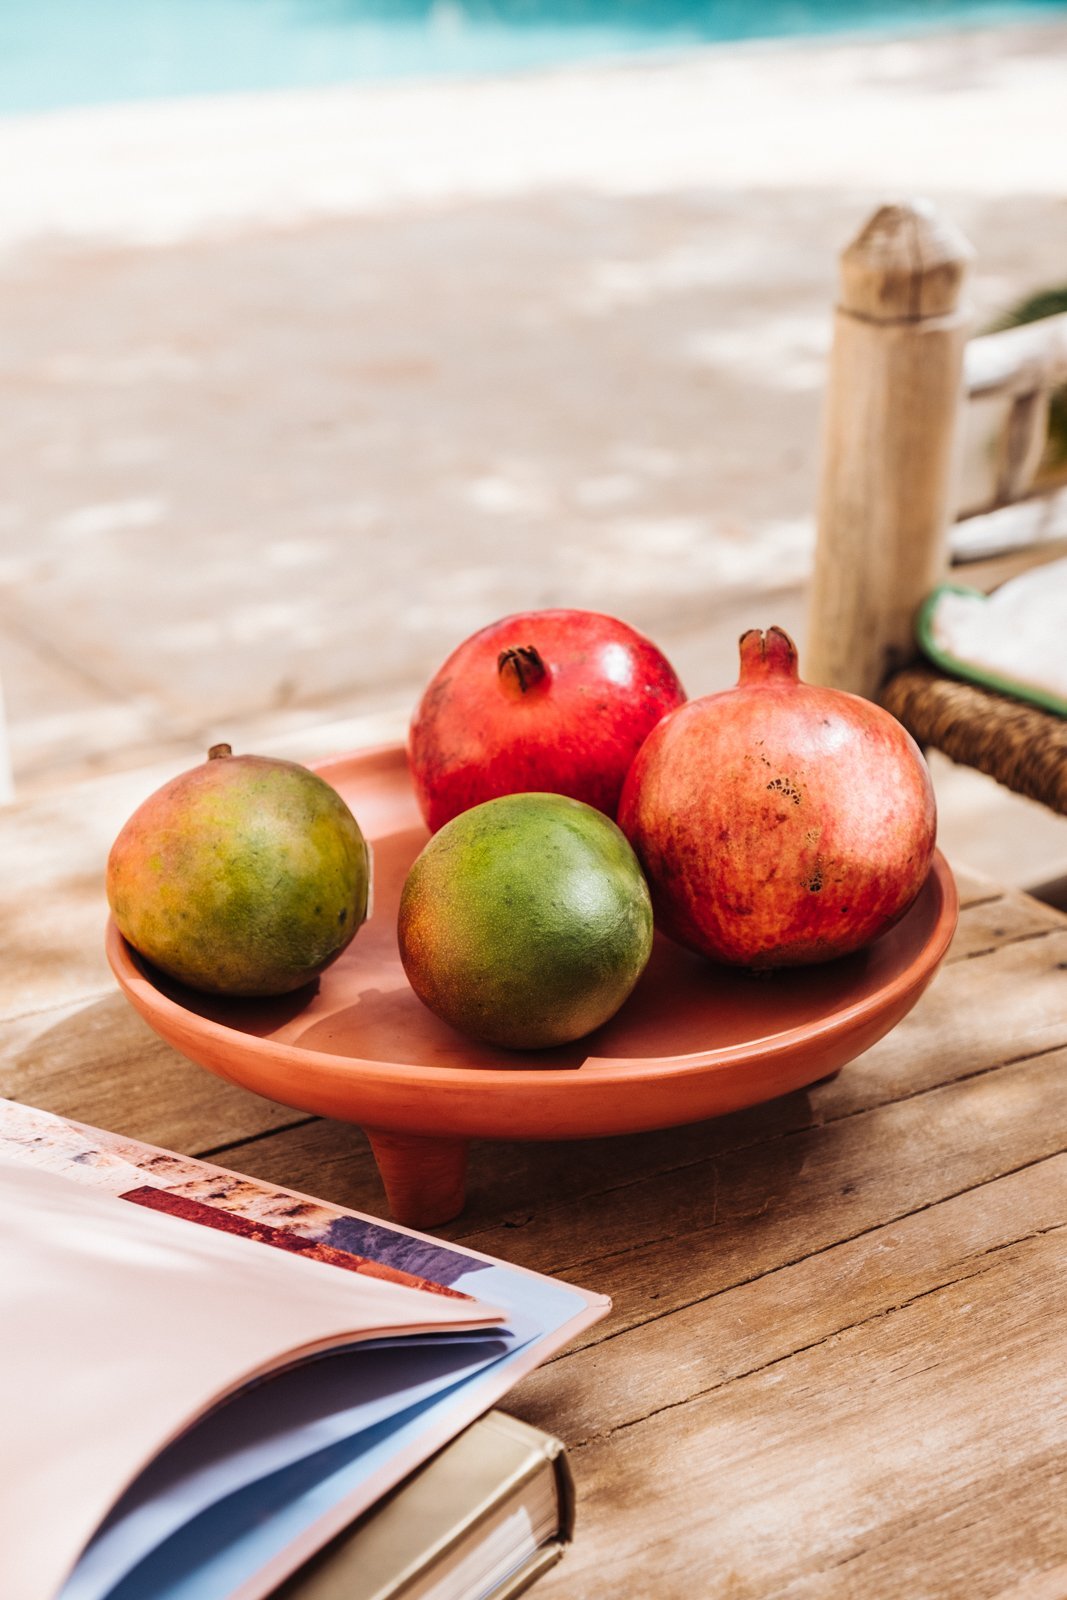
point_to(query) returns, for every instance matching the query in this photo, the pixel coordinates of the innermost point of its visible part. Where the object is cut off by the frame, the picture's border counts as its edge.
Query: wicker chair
(905, 384)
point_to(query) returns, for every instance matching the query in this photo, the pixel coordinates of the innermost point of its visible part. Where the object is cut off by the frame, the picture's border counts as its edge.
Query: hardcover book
(482, 1520)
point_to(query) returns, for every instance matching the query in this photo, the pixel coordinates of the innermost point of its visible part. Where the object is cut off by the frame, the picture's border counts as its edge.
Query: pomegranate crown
(767, 655)
(520, 669)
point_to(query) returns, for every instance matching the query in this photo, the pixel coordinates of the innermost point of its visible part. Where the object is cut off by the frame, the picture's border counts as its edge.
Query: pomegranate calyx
(767, 655)
(521, 669)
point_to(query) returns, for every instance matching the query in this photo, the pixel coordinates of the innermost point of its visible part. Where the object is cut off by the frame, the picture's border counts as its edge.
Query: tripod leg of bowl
(425, 1179)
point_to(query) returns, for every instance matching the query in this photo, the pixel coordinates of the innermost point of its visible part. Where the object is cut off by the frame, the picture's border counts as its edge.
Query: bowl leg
(425, 1179)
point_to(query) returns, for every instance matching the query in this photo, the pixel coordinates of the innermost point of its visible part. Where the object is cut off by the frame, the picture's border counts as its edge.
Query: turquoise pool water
(76, 52)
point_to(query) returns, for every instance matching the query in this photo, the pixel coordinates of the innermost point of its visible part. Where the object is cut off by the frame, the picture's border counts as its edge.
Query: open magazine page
(121, 1326)
(233, 1511)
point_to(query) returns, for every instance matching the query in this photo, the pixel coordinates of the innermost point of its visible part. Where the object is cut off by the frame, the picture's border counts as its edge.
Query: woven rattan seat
(1019, 745)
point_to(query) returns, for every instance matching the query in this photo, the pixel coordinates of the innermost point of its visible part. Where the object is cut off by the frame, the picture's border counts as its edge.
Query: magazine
(199, 1452)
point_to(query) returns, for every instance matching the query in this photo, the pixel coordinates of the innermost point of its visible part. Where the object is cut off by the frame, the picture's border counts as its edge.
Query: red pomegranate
(779, 823)
(556, 701)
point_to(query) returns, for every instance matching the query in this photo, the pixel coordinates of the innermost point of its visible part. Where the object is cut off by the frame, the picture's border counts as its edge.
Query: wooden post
(889, 444)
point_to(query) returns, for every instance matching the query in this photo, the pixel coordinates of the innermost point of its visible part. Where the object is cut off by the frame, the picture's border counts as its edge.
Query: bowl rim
(234, 1043)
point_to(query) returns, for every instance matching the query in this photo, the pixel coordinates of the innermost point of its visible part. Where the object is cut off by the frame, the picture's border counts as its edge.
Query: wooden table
(837, 1364)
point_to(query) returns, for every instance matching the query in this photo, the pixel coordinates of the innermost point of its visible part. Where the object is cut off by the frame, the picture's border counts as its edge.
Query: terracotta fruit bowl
(693, 1041)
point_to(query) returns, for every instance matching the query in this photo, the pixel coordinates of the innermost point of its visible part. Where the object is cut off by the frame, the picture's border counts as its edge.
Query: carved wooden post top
(907, 263)
(892, 405)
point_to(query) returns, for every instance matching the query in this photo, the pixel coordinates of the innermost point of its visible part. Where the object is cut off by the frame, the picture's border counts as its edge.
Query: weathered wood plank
(99, 1063)
(729, 1219)
(988, 924)
(667, 1240)
(974, 887)
(981, 1539)
(975, 1015)
(732, 1333)
(791, 1480)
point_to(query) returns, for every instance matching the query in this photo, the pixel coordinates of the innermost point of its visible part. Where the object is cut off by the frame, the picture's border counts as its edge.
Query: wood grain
(96, 1061)
(746, 1327)
(793, 1479)
(709, 1224)
(889, 436)
(987, 924)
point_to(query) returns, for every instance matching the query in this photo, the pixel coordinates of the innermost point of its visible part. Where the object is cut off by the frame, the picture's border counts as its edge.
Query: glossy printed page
(121, 1325)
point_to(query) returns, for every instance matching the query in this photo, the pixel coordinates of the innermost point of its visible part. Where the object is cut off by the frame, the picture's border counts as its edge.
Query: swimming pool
(73, 52)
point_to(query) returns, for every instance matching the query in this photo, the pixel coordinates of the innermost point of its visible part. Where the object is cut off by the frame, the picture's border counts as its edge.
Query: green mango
(243, 876)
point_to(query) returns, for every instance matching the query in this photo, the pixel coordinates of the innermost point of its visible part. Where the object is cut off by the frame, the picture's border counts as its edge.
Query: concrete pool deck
(300, 389)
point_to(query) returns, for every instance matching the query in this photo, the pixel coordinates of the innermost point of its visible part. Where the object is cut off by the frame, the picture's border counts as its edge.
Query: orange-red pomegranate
(779, 823)
(550, 701)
